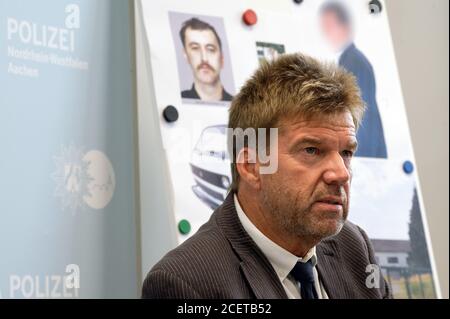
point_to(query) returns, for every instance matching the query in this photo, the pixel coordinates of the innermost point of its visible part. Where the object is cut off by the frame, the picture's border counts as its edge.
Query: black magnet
(170, 113)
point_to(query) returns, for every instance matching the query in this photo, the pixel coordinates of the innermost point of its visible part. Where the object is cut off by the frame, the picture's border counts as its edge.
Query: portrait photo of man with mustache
(202, 50)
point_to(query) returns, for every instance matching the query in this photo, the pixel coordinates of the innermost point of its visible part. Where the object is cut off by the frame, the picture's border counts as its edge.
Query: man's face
(309, 193)
(203, 53)
(335, 33)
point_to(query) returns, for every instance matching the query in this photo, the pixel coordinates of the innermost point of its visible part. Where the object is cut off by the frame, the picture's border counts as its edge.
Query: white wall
(420, 35)
(157, 222)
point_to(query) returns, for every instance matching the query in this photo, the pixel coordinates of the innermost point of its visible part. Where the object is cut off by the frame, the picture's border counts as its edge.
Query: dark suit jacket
(370, 135)
(192, 94)
(221, 261)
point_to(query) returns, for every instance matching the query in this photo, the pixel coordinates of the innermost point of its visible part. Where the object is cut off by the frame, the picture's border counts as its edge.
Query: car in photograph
(210, 166)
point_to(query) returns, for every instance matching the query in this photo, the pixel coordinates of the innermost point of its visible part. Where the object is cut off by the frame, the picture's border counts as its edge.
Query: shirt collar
(342, 50)
(281, 260)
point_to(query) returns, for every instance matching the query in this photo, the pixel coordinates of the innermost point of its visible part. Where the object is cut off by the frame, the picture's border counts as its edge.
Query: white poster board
(386, 197)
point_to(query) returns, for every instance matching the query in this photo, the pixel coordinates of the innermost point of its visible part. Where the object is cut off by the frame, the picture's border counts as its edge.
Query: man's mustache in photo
(205, 65)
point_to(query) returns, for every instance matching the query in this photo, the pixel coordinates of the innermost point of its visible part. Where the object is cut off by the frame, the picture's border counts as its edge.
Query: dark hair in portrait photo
(197, 24)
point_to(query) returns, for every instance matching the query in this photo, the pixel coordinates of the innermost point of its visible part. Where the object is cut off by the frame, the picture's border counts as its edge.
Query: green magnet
(184, 226)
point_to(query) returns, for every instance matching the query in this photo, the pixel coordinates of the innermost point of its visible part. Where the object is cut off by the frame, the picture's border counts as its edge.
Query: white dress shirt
(282, 260)
(338, 54)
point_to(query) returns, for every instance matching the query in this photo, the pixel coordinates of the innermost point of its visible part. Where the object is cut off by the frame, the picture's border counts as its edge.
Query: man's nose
(337, 171)
(203, 54)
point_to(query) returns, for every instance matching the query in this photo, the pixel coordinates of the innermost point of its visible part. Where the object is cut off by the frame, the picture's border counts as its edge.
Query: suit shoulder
(203, 245)
(352, 236)
(187, 94)
(354, 58)
(357, 253)
(163, 285)
(351, 227)
(205, 258)
(226, 96)
(190, 94)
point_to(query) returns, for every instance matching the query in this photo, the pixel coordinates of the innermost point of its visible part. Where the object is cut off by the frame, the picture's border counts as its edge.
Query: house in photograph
(392, 255)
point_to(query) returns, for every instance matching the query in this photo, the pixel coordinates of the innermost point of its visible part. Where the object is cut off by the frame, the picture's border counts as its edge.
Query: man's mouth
(332, 200)
(330, 203)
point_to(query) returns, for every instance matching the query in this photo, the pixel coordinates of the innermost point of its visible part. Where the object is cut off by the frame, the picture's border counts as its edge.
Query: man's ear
(248, 167)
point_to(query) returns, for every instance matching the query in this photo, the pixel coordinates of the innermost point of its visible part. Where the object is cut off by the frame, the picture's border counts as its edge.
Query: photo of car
(210, 165)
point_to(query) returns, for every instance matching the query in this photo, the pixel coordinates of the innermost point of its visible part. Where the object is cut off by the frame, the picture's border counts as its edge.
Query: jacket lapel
(255, 266)
(263, 282)
(331, 270)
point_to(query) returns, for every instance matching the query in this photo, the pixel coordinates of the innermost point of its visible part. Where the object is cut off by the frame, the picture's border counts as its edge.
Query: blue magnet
(408, 167)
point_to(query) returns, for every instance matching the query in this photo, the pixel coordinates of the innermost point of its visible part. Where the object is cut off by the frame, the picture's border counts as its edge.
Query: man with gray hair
(283, 234)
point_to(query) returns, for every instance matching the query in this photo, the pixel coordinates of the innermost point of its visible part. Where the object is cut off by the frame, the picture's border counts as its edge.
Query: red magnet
(249, 17)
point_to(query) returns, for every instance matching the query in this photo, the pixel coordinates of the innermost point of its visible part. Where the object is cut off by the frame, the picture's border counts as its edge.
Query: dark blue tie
(304, 274)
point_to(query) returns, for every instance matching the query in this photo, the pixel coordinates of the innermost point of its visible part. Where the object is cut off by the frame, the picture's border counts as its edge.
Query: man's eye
(347, 154)
(312, 150)
(211, 48)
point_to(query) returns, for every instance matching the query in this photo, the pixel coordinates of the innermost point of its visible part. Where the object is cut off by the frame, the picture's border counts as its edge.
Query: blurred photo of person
(203, 52)
(337, 28)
